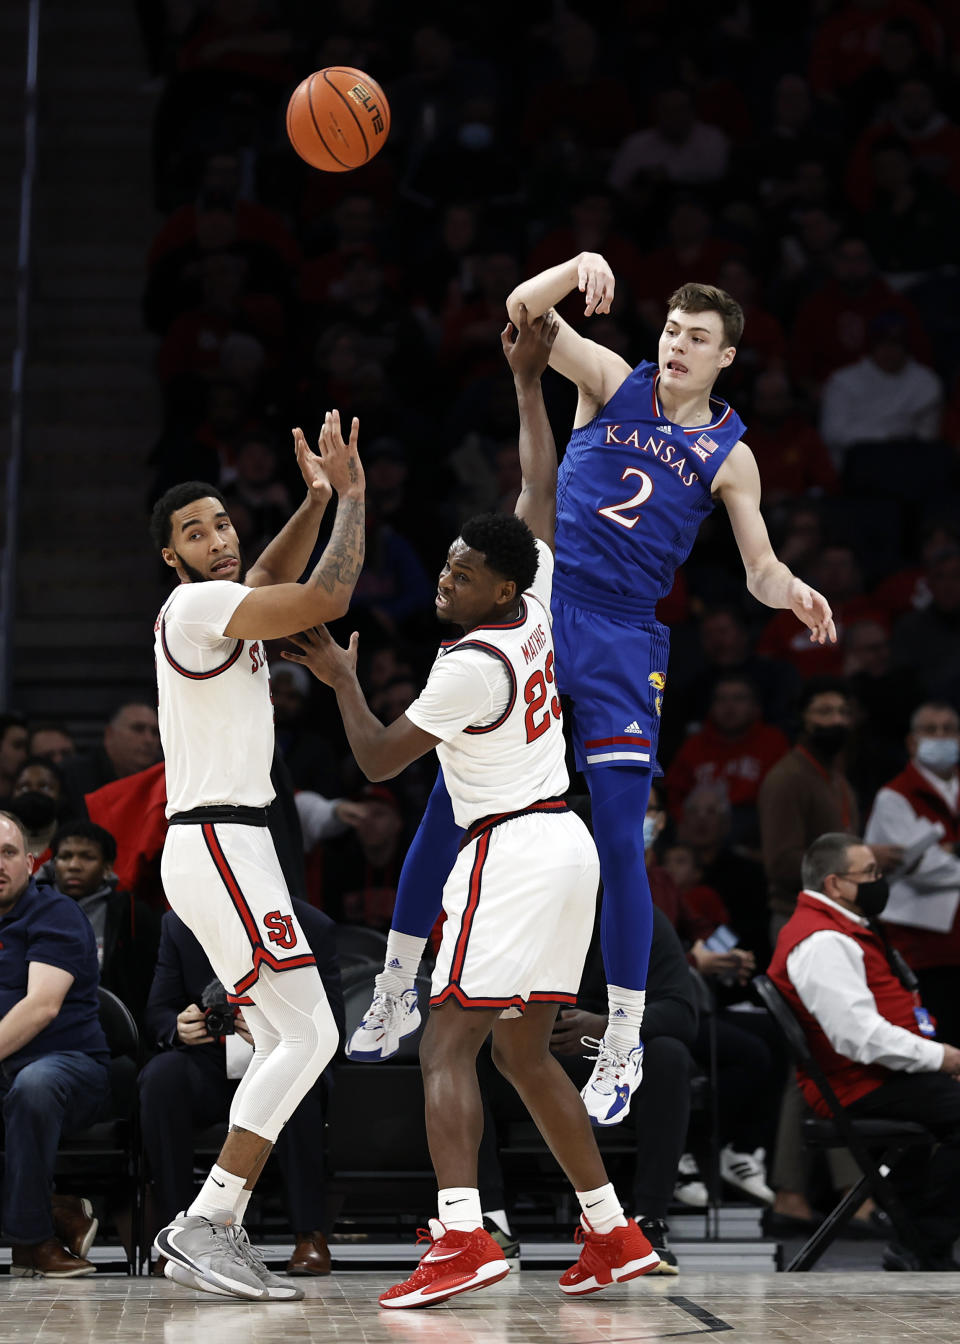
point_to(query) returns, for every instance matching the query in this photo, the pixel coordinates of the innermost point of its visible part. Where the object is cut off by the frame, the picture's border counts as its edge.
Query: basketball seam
(316, 127)
(343, 98)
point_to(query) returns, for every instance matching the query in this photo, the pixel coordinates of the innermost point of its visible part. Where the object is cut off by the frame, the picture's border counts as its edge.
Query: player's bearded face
(197, 576)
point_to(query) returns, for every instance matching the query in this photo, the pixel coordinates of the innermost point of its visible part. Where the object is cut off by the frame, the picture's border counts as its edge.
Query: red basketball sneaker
(455, 1263)
(609, 1257)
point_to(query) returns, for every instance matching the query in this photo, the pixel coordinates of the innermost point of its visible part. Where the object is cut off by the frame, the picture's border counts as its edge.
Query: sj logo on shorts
(280, 929)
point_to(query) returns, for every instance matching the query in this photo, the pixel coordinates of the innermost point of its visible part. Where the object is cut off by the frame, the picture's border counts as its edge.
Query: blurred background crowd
(805, 159)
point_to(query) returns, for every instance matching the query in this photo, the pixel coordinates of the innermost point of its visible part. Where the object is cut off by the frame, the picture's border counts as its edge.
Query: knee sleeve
(291, 1008)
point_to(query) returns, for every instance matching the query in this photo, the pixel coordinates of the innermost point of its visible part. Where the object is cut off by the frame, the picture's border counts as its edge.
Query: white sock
(624, 1018)
(499, 1216)
(219, 1195)
(240, 1208)
(458, 1207)
(401, 963)
(601, 1208)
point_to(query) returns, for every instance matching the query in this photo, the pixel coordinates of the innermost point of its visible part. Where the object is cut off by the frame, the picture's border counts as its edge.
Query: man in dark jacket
(126, 930)
(191, 1083)
(54, 1059)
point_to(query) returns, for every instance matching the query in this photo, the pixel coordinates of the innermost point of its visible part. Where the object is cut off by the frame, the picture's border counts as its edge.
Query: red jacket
(924, 948)
(741, 762)
(848, 1079)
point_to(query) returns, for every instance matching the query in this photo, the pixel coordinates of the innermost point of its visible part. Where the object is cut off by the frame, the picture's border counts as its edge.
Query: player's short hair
(815, 686)
(696, 298)
(177, 497)
(507, 545)
(827, 854)
(81, 829)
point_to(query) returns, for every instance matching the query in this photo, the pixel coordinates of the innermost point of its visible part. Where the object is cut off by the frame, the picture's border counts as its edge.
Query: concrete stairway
(88, 584)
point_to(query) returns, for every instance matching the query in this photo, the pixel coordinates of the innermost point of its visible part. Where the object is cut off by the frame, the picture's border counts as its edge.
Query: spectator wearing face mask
(919, 809)
(871, 1034)
(37, 799)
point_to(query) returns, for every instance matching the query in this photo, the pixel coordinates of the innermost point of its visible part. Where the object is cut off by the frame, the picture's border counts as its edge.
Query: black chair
(876, 1145)
(376, 1142)
(106, 1155)
(358, 945)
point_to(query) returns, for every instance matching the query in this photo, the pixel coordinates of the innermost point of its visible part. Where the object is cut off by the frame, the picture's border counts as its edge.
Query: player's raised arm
(768, 579)
(527, 352)
(287, 556)
(284, 608)
(597, 371)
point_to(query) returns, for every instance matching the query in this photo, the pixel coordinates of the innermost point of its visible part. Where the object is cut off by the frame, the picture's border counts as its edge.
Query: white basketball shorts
(224, 881)
(520, 904)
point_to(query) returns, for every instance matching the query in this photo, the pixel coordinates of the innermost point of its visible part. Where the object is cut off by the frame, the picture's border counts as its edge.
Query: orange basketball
(337, 119)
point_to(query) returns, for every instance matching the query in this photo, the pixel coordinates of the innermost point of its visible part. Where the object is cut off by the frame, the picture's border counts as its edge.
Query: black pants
(928, 1181)
(657, 1122)
(751, 1072)
(187, 1089)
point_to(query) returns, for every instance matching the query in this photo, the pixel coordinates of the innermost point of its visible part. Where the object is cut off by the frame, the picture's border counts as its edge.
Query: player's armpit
(284, 609)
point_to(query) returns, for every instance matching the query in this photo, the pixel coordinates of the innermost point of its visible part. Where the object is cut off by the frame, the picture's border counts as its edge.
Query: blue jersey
(632, 492)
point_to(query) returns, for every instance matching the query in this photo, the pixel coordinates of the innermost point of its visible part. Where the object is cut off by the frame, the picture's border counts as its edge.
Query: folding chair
(875, 1144)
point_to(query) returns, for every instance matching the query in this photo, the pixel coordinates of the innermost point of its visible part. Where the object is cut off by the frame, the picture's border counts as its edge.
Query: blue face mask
(938, 753)
(649, 831)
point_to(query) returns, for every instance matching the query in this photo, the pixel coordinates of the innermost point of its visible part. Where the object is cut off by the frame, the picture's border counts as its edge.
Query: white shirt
(827, 971)
(702, 157)
(215, 711)
(928, 895)
(491, 699)
(861, 403)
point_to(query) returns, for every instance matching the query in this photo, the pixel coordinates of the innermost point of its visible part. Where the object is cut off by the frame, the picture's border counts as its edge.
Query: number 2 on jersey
(636, 501)
(535, 694)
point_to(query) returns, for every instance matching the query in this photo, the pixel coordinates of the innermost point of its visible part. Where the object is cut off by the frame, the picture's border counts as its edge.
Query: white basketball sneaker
(386, 1022)
(616, 1076)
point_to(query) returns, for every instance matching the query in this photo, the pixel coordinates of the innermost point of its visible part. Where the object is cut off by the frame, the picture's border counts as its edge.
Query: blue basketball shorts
(615, 673)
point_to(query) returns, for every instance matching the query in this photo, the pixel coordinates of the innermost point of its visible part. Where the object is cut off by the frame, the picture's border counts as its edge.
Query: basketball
(337, 119)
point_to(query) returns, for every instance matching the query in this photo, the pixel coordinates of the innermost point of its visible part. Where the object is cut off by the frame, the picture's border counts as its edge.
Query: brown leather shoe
(311, 1255)
(74, 1223)
(48, 1260)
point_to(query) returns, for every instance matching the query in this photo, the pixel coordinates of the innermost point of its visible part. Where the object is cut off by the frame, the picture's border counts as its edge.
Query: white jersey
(491, 698)
(215, 710)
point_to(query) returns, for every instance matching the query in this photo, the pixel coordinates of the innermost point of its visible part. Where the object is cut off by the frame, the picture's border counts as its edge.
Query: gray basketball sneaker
(277, 1289)
(207, 1248)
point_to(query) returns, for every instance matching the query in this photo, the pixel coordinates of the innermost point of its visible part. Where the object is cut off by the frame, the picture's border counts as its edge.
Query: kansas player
(521, 896)
(651, 453)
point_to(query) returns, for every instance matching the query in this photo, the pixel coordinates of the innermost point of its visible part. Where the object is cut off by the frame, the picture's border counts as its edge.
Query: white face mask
(938, 753)
(649, 831)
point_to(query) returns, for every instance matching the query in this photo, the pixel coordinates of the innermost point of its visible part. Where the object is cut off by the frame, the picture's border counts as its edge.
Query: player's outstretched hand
(595, 282)
(813, 609)
(340, 460)
(327, 660)
(528, 349)
(311, 469)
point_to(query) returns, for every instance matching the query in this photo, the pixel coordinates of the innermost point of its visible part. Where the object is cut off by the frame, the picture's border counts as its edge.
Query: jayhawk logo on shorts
(658, 681)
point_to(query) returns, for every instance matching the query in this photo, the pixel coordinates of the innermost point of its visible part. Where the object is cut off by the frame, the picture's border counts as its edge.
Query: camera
(219, 1019)
(218, 1014)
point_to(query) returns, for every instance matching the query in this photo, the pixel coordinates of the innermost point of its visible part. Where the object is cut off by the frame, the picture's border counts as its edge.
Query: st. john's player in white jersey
(521, 897)
(220, 870)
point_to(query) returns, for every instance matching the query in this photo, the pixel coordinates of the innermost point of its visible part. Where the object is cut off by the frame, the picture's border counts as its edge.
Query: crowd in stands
(820, 185)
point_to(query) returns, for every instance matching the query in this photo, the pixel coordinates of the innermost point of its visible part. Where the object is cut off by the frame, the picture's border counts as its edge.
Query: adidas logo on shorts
(632, 727)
